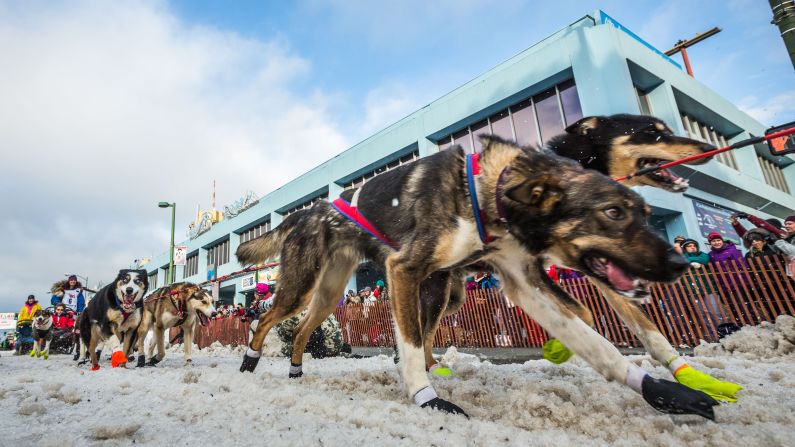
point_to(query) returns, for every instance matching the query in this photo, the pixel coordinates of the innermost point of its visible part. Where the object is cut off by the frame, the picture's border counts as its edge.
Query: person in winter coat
(700, 284)
(755, 241)
(787, 245)
(28, 309)
(61, 319)
(70, 293)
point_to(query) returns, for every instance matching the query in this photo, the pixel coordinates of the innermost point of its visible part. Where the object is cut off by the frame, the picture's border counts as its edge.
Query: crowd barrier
(687, 311)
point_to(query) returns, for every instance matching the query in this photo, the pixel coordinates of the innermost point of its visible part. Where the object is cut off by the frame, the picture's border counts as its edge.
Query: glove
(556, 352)
(697, 380)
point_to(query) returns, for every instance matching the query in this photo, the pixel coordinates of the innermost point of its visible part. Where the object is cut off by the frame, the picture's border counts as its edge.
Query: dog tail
(263, 248)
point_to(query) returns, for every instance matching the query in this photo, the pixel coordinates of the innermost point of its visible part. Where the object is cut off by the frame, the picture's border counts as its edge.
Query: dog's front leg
(187, 341)
(526, 283)
(404, 281)
(662, 351)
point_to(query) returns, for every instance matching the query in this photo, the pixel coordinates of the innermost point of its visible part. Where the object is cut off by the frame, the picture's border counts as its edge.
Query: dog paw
(296, 375)
(249, 363)
(118, 359)
(33, 353)
(153, 361)
(673, 398)
(95, 367)
(46, 356)
(443, 405)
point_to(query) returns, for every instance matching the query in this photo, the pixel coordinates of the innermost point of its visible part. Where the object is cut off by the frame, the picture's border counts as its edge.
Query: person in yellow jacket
(25, 320)
(28, 310)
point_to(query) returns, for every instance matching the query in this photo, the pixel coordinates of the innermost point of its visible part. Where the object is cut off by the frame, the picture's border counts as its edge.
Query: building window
(153, 280)
(218, 254)
(191, 265)
(700, 131)
(165, 274)
(359, 181)
(307, 204)
(643, 101)
(773, 175)
(255, 232)
(530, 122)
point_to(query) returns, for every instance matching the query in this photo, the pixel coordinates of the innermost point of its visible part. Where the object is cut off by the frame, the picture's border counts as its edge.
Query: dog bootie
(153, 361)
(673, 398)
(445, 406)
(141, 361)
(95, 367)
(33, 353)
(697, 380)
(250, 360)
(118, 359)
(556, 352)
(46, 355)
(76, 357)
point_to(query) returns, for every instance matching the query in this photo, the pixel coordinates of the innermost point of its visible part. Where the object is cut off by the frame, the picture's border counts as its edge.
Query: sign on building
(711, 218)
(248, 282)
(7, 321)
(180, 254)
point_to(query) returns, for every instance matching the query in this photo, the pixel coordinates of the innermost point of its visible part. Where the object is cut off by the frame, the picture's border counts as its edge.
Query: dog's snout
(129, 290)
(676, 262)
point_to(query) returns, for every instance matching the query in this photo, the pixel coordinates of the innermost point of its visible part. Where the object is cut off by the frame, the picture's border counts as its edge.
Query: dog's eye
(614, 213)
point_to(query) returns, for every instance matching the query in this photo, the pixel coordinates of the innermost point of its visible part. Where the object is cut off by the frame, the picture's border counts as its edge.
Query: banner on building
(714, 219)
(248, 282)
(216, 291)
(180, 254)
(7, 321)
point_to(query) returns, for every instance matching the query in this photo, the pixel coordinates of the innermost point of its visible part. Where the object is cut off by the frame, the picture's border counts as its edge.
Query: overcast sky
(107, 108)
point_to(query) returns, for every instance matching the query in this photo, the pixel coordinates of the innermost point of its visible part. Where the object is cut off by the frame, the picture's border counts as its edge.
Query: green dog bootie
(556, 352)
(33, 353)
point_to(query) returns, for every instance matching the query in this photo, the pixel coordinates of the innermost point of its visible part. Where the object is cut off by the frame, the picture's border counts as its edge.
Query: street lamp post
(173, 207)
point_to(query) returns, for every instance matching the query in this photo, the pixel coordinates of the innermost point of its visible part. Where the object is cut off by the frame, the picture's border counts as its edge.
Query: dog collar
(353, 214)
(473, 169)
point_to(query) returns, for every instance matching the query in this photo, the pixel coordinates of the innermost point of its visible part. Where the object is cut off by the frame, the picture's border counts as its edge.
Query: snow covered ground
(351, 402)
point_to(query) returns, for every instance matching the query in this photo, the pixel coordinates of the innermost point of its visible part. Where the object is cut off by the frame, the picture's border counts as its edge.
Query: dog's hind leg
(329, 290)
(527, 284)
(143, 330)
(95, 336)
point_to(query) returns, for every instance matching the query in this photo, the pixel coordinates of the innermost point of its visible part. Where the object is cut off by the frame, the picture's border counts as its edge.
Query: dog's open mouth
(616, 277)
(204, 320)
(128, 302)
(664, 176)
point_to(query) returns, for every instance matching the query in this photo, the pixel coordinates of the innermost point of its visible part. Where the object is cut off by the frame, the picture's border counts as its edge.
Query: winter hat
(31, 297)
(71, 277)
(790, 219)
(775, 222)
(262, 288)
(714, 235)
(380, 282)
(687, 242)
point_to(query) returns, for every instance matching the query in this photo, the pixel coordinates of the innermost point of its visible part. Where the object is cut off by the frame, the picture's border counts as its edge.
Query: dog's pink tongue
(618, 278)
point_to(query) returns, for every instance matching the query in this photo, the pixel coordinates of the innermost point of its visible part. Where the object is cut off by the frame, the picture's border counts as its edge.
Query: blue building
(594, 66)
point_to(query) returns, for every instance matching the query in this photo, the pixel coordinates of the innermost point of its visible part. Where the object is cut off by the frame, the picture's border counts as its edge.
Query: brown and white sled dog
(113, 316)
(531, 205)
(42, 333)
(178, 305)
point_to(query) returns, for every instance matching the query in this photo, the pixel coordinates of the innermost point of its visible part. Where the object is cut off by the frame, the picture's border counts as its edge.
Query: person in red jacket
(62, 319)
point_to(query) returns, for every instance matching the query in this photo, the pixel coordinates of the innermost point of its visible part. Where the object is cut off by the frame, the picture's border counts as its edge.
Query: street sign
(781, 145)
(7, 321)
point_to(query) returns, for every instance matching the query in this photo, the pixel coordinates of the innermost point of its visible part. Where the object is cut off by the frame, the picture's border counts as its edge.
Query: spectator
(729, 262)
(240, 311)
(678, 240)
(771, 225)
(756, 242)
(379, 287)
(70, 293)
(262, 295)
(62, 319)
(352, 298)
(787, 245)
(723, 251)
(698, 282)
(25, 320)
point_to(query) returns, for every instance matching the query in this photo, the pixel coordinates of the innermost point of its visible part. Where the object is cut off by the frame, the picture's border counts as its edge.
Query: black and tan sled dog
(178, 305)
(511, 208)
(113, 316)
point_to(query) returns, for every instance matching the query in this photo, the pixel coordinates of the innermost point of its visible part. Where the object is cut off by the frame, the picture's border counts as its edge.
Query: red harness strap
(353, 214)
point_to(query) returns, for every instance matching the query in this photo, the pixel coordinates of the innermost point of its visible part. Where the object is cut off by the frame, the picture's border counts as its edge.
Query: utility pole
(681, 46)
(784, 18)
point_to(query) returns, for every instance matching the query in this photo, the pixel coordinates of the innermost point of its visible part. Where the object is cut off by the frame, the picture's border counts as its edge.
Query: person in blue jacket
(70, 293)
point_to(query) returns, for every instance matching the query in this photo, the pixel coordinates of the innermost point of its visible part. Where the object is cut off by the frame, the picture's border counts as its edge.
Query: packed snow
(348, 402)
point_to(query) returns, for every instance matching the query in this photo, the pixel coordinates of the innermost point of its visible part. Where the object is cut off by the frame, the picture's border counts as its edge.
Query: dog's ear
(585, 126)
(541, 194)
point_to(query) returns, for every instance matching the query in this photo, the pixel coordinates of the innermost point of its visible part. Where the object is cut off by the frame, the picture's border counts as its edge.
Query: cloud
(773, 111)
(109, 108)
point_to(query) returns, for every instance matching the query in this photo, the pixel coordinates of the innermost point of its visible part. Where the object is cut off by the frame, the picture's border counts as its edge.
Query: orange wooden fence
(686, 311)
